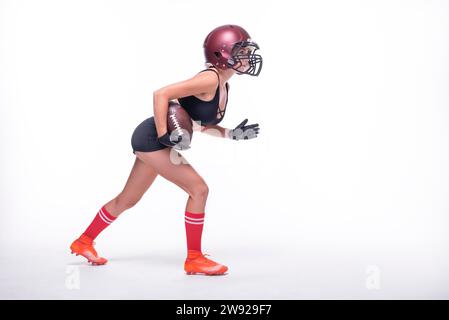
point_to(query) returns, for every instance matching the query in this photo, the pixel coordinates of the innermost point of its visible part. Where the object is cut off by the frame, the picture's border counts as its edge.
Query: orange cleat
(85, 246)
(197, 262)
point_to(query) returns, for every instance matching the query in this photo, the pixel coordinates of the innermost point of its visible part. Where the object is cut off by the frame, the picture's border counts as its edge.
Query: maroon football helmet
(230, 46)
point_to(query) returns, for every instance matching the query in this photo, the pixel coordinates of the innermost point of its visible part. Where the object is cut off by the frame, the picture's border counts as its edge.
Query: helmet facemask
(250, 59)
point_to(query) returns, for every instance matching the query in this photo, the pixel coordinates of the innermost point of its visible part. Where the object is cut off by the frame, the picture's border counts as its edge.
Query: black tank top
(205, 111)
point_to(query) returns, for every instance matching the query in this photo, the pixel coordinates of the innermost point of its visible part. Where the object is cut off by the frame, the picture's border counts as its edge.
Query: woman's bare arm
(200, 83)
(215, 131)
(160, 110)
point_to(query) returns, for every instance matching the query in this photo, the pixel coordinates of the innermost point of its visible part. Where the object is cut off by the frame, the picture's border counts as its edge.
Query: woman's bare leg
(172, 166)
(140, 179)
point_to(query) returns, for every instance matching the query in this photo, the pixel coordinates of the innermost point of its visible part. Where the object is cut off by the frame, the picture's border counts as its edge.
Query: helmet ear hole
(217, 54)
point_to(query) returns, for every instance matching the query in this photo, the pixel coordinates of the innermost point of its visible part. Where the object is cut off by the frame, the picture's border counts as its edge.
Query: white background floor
(255, 273)
(267, 260)
(344, 194)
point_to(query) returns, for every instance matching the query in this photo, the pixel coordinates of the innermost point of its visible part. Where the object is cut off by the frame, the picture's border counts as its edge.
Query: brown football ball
(179, 120)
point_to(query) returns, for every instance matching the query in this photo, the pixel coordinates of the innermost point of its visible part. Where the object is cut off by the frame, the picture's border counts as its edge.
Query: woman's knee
(199, 190)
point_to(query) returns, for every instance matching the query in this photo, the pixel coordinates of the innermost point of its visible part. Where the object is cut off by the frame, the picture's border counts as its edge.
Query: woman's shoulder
(210, 69)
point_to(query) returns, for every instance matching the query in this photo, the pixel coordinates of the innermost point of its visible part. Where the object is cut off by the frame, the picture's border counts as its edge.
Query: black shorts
(144, 137)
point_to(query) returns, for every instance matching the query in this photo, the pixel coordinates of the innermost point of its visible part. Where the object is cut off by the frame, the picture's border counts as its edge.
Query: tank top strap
(216, 72)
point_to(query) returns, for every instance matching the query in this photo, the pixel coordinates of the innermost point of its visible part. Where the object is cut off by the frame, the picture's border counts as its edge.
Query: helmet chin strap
(232, 64)
(237, 71)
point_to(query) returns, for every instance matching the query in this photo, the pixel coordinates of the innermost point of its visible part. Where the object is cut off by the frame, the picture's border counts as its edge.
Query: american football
(179, 120)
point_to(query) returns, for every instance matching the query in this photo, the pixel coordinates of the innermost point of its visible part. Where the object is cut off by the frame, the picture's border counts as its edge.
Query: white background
(344, 194)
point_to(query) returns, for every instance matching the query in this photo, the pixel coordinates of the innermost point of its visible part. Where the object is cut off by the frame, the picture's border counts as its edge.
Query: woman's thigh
(172, 166)
(140, 179)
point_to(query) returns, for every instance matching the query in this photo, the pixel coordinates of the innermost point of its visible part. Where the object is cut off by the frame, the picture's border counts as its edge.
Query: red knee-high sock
(194, 229)
(101, 221)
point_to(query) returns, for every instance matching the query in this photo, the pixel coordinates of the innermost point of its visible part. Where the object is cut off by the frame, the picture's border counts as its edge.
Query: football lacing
(176, 124)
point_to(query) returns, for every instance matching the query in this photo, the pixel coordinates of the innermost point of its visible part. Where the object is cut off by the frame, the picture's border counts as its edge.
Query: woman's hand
(170, 140)
(244, 132)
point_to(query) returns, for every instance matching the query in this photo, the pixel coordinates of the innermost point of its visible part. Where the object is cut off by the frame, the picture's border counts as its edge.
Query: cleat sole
(206, 273)
(89, 261)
